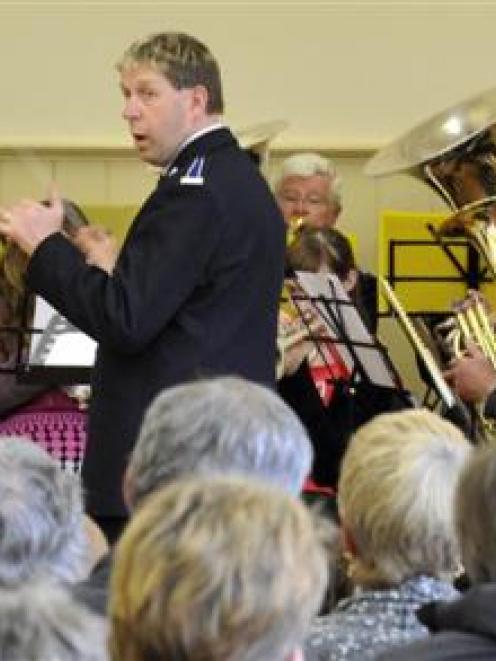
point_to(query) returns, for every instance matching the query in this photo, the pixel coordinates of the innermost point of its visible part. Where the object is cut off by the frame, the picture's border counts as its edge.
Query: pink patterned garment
(55, 421)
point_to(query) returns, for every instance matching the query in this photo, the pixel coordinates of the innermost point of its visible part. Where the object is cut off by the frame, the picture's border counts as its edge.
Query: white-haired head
(218, 426)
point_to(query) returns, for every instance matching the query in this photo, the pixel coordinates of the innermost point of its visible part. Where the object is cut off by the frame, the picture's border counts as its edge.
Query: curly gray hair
(41, 517)
(42, 621)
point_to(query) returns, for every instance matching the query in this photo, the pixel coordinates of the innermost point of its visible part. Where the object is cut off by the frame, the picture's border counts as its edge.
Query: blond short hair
(396, 494)
(183, 60)
(216, 569)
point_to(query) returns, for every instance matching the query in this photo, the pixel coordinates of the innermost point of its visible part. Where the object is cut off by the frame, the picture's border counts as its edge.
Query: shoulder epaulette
(194, 173)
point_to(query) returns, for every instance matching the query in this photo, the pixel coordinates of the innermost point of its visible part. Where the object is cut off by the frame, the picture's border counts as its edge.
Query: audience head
(323, 251)
(396, 497)
(41, 621)
(217, 426)
(41, 517)
(216, 569)
(307, 187)
(172, 88)
(475, 507)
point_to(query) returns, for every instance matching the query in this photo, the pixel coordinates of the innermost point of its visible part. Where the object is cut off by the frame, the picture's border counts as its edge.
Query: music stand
(58, 353)
(366, 360)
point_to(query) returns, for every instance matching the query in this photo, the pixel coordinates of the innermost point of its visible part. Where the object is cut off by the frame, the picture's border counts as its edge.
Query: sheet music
(60, 343)
(329, 289)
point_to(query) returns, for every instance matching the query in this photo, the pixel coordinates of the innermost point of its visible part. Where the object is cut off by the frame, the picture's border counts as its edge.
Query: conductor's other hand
(28, 223)
(98, 246)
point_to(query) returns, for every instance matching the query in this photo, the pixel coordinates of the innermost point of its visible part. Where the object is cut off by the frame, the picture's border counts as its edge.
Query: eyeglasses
(307, 200)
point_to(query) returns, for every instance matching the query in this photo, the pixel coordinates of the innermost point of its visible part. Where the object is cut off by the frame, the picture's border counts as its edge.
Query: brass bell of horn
(454, 152)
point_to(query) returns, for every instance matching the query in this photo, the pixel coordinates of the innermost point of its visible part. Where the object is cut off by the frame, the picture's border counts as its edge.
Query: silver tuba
(454, 152)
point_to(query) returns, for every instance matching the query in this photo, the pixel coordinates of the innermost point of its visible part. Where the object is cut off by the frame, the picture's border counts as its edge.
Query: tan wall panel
(359, 211)
(405, 193)
(129, 181)
(83, 181)
(24, 176)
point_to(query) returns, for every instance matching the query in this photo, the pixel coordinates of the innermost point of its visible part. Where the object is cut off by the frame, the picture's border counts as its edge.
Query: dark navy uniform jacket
(195, 292)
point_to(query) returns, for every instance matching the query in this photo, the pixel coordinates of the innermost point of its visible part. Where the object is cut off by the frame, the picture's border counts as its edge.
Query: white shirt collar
(189, 139)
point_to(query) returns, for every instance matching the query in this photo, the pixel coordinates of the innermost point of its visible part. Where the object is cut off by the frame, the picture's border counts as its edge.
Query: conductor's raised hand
(28, 223)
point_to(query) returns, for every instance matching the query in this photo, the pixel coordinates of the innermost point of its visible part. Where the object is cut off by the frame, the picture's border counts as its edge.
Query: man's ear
(199, 101)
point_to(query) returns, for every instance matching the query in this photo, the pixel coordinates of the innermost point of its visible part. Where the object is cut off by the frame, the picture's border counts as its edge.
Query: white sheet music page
(59, 344)
(331, 300)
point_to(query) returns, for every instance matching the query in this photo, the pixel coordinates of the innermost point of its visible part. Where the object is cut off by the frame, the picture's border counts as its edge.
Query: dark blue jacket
(195, 292)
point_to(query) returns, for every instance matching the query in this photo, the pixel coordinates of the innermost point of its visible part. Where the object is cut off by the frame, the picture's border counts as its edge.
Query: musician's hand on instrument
(473, 377)
(28, 223)
(293, 357)
(477, 295)
(473, 350)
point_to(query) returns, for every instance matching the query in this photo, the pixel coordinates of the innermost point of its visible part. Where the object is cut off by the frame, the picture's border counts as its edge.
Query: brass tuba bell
(455, 154)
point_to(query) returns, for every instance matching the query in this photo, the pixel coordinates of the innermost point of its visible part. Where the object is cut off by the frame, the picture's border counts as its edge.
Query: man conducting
(195, 288)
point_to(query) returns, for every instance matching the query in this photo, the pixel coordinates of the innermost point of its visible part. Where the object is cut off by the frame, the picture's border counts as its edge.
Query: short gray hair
(309, 164)
(475, 520)
(41, 517)
(216, 426)
(396, 496)
(42, 621)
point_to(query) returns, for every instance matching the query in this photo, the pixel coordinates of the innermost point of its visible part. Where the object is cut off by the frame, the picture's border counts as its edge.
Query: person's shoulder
(444, 646)
(182, 184)
(189, 175)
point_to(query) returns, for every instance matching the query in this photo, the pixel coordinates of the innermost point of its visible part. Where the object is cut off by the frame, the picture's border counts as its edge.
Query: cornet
(294, 227)
(469, 323)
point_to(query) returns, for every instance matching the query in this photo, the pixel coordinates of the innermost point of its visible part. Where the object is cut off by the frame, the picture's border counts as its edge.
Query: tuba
(454, 153)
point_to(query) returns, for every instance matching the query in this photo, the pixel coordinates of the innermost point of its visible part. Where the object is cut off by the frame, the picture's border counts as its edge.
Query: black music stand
(367, 362)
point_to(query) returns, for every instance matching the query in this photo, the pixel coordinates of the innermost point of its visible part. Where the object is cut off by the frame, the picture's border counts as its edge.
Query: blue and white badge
(194, 173)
